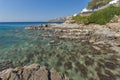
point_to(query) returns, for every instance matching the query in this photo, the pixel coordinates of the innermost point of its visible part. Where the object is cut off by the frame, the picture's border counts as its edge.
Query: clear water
(77, 60)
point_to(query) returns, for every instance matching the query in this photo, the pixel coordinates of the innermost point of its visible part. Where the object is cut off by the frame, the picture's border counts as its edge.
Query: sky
(38, 10)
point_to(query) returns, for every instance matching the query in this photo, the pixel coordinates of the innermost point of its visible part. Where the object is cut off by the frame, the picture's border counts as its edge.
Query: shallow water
(77, 60)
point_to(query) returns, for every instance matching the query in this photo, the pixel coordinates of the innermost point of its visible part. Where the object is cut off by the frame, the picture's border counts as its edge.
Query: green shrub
(101, 17)
(81, 19)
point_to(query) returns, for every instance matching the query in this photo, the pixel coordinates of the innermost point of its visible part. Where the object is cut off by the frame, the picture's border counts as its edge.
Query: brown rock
(57, 76)
(32, 72)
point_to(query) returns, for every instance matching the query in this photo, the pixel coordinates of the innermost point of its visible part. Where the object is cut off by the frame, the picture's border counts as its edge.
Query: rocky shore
(95, 57)
(32, 72)
(98, 47)
(97, 35)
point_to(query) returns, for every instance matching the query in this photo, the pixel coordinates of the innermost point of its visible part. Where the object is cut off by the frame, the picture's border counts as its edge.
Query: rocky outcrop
(93, 33)
(40, 27)
(32, 72)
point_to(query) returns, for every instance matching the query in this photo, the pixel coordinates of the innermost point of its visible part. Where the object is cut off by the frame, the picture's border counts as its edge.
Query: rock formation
(32, 72)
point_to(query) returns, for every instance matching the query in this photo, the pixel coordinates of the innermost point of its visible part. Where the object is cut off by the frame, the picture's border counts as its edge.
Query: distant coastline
(33, 22)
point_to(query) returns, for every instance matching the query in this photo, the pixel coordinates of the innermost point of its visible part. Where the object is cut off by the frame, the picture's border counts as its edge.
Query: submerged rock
(54, 42)
(32, 72)
(6, 64)
(110, 65)
(57, 76)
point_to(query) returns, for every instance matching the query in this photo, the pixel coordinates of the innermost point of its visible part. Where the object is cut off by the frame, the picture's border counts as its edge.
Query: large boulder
(32, 72)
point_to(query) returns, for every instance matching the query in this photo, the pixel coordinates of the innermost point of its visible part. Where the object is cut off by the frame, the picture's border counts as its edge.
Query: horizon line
(25, 21)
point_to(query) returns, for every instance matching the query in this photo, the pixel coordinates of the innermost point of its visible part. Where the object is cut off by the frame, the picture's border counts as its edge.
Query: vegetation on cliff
(101, 17)
(97, 3)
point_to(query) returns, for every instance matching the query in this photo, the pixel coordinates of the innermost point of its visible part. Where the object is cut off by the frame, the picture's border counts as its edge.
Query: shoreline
(93, 33)
(74, 48)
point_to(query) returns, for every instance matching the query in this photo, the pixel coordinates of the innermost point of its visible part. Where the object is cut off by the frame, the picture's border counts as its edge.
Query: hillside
(97, 3)
(99, 12)
(57, 20)
(105, 12)
(102, 16)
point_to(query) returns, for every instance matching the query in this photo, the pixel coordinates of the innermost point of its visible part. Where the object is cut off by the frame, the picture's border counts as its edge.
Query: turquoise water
(78, 60)
(14, 37)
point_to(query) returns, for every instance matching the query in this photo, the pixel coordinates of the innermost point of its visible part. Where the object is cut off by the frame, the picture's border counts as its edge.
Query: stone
(110, 65)
(89, 61)
(110, 74)
(102, 76)
(82, 68)
(57, 76)
(68, 65)
(32, 72)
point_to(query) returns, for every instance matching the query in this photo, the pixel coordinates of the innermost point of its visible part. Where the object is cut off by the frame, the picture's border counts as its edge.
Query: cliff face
(32, 72)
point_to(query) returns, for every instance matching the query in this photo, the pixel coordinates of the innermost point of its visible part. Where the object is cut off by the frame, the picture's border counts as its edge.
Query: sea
(78, 60)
